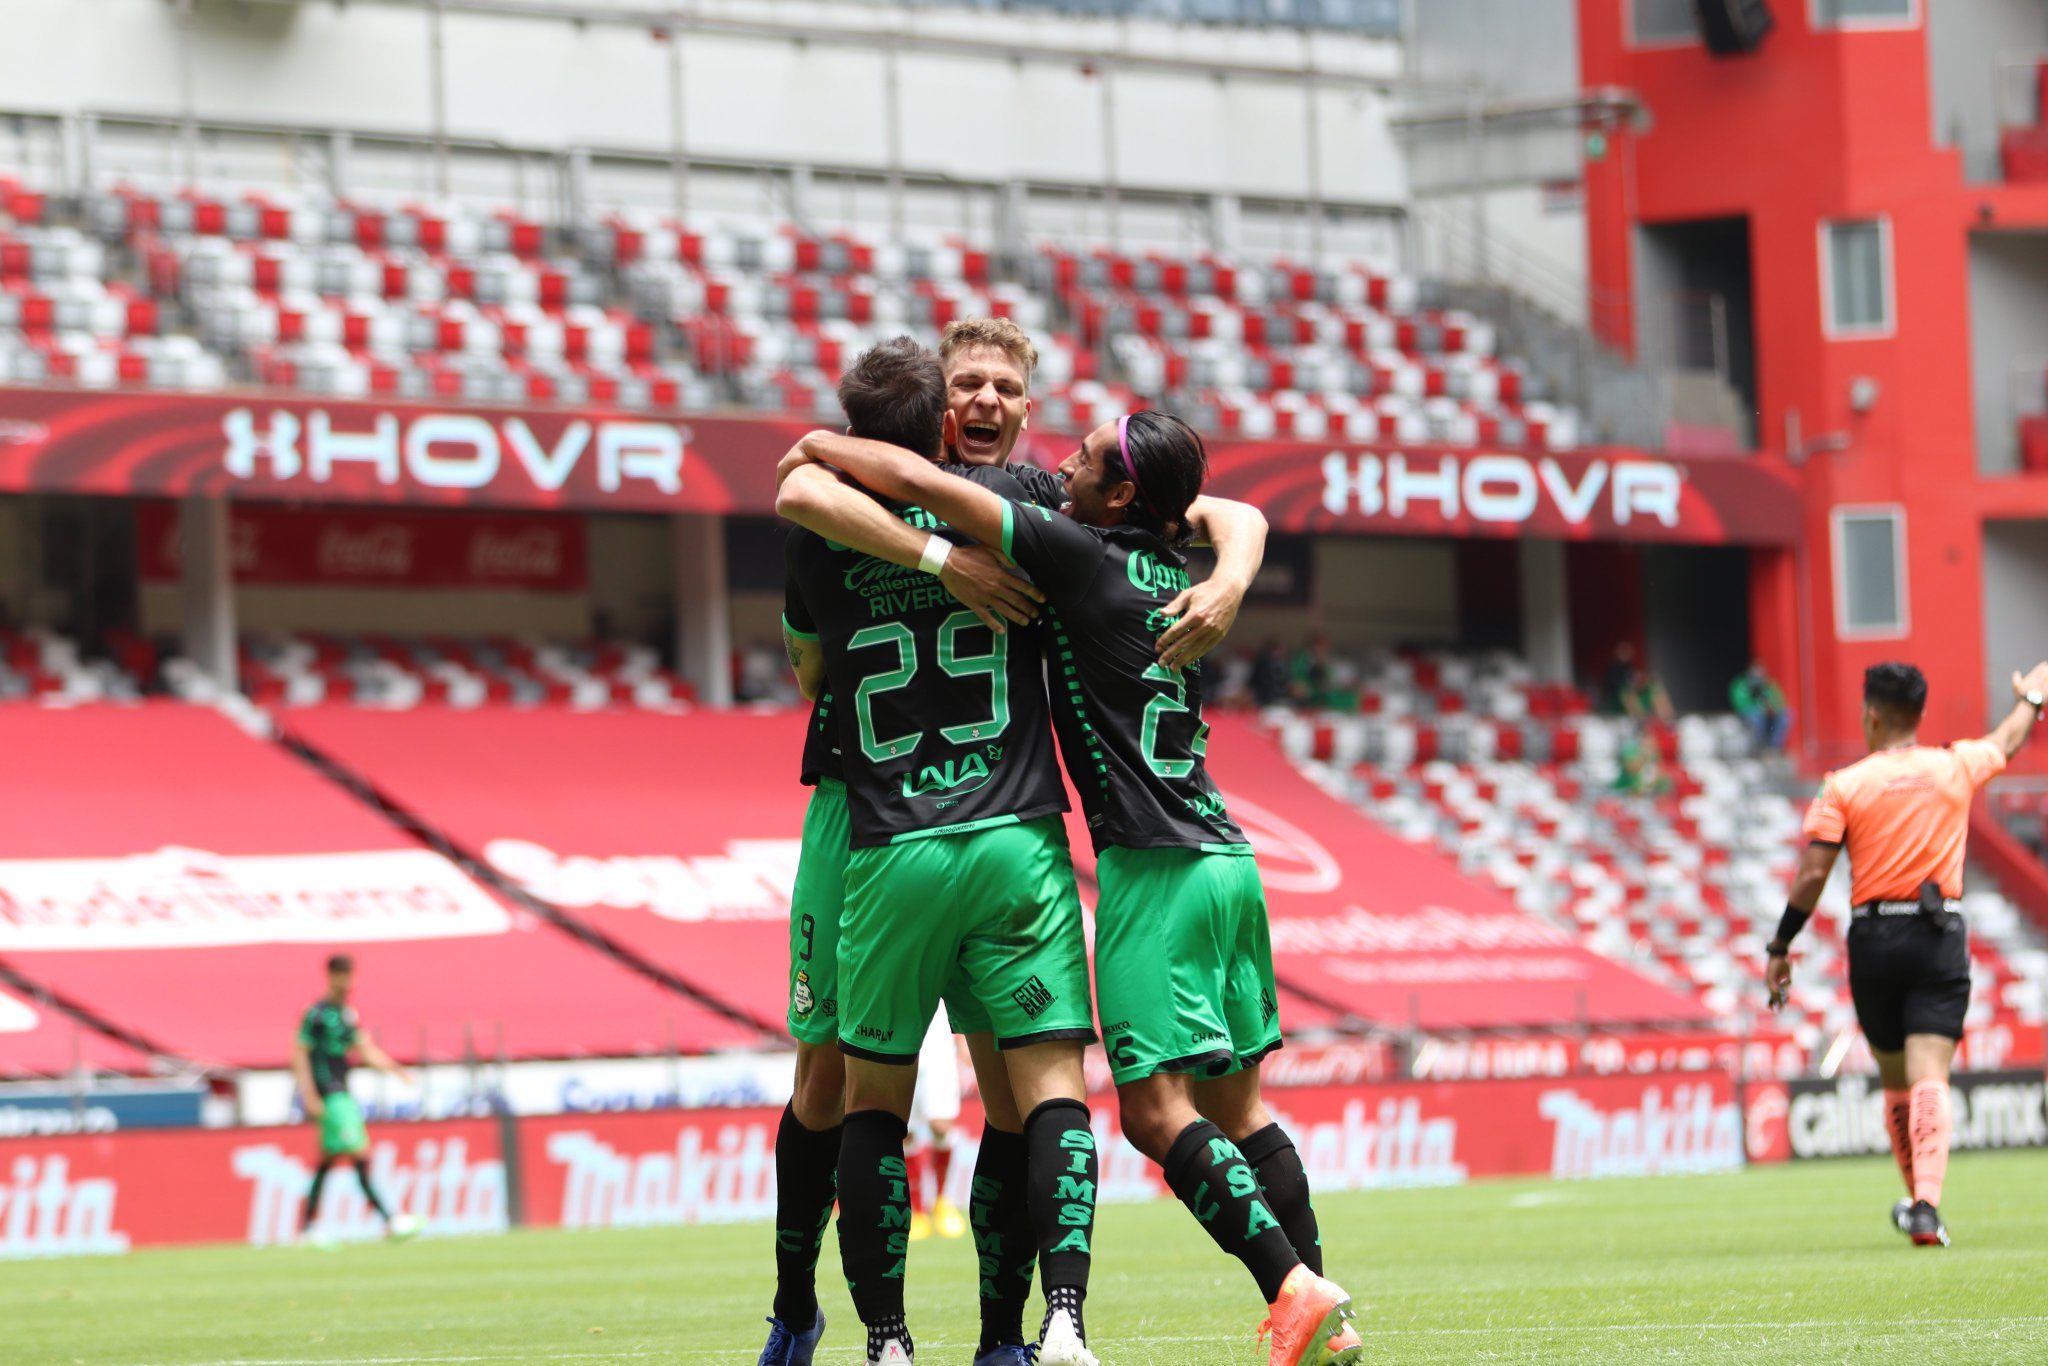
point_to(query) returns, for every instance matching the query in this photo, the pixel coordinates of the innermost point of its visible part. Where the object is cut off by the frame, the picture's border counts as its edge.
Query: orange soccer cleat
(1305, 1319)
(1346, 1347)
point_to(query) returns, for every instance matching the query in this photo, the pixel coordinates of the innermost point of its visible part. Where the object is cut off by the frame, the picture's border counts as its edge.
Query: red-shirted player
(1903, 814)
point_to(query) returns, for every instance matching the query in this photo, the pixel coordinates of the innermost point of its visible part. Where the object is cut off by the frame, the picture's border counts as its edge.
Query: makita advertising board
(273, 447)
(108, 1193)
(1844, 1117)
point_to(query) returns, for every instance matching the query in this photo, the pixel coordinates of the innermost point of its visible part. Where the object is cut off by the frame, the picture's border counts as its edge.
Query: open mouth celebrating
(983, 439)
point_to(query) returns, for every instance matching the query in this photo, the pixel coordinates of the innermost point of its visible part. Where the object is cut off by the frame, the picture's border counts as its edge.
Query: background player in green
(807, 1138)
(328, 1033)
(1180, 890)
(959, 867)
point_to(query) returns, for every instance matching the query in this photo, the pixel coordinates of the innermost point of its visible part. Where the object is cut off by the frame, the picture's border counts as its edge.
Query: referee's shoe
(1924, 1226)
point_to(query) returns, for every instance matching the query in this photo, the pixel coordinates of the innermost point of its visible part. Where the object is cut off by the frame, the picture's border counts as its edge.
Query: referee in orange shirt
(1903, 812)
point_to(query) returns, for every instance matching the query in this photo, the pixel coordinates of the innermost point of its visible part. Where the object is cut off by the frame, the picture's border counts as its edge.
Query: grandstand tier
(39, 1039)
(1382, 931)
(185, 881)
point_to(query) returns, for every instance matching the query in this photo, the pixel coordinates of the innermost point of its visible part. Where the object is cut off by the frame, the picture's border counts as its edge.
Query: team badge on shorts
(804, 1000)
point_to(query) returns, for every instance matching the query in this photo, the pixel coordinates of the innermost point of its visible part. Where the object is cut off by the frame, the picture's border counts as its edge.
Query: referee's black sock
(370, 1191)
(1001, 1219)
(1272, 1155)
(806, 1184)
(874, 1217)
(1061, 1174)
(1218, 1186)
(313, 1195)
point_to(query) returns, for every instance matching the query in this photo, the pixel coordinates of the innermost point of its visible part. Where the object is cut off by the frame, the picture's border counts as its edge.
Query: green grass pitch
(1791, 1264)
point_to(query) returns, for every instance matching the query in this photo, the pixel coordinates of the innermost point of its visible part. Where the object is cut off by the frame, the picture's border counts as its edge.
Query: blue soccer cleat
(786, 1347)
(1014, 1354)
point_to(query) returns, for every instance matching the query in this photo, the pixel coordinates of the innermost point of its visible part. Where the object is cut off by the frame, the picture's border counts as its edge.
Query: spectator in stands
(1630, 690)
(1760, 702)
(1639, 773)
(1308, 673)
(1269, 674)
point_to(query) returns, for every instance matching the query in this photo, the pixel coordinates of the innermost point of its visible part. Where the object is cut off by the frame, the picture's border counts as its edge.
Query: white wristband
(935, 552)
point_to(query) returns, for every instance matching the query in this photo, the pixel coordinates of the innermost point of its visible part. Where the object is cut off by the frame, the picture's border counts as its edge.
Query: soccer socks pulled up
(1001, 1218)
(1931, 1127)
(806, 1184)
(1285, 1183)
(874, 1216)
(1212, 1178)
(370, 1191)
(313, 1195)
(1061, 1194)
(1898, 1126)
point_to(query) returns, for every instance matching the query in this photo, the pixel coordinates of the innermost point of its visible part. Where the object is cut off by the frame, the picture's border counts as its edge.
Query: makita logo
(1393, 1145)
(44, 1213)
(449, 450)
(712, 1175)
(1693, 1133)
(437, 1184)
(1509, 489)
(1994, 1110)
(750, 881)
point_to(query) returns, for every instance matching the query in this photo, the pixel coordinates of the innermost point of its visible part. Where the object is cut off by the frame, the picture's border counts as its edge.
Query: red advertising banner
(134, 1189)
(393, 548)
(111, 1192)
(274, 447)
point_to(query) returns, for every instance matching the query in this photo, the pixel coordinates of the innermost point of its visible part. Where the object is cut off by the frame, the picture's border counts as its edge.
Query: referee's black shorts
(1909, 975)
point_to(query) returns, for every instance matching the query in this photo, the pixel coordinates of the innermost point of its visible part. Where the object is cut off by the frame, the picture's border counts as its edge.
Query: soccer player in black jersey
(328, 1032)
(958, 886)
(1179, 888)
(989, 363)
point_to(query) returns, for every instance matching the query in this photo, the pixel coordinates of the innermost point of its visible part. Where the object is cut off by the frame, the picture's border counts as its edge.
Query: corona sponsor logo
(1501, 488)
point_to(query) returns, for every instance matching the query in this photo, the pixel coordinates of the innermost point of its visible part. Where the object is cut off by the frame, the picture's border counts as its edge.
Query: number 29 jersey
(943, 724)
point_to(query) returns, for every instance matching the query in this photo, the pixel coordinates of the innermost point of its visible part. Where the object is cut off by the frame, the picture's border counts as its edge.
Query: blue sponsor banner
(43, 1113)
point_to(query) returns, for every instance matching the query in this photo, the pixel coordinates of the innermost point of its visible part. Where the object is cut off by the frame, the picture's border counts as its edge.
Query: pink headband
(1123, 448)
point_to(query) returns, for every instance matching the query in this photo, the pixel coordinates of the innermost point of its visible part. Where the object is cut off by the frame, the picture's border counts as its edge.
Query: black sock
(880, 1332)
(1272, 1155)
(1001, 1218)
(806, 1184)
(1061, 1180)
(874, 1215)
(1218, 1186)
(313, 1195)
(370, 1191)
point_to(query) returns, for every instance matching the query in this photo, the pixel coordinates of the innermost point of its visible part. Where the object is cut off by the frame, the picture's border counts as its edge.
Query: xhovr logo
(1150, 574)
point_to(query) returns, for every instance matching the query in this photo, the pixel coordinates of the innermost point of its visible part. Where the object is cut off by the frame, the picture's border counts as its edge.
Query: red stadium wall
(1823, 125)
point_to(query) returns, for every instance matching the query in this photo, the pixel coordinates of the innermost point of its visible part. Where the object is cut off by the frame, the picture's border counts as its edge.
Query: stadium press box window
(1865, 13)
(1856, 277)
(1661, 23)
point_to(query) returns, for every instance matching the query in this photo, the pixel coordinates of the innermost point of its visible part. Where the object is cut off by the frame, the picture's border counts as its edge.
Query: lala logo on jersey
(955, 778)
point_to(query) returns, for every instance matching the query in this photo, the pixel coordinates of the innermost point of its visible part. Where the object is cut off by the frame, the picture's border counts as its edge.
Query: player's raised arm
(815, 498)
(896, 473)
(1208, 609)
(2030, 691)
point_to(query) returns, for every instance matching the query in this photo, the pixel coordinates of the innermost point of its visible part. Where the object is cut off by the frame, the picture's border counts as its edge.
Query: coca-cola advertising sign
(277, 447)
(393, 548)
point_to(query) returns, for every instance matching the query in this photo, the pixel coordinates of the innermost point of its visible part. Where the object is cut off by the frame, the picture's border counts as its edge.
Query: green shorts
(814, 906)
(987, 919)
(1183, 962)
(341, 1126)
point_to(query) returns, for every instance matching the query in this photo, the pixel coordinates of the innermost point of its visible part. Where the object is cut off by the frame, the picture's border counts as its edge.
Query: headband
(1123, 447)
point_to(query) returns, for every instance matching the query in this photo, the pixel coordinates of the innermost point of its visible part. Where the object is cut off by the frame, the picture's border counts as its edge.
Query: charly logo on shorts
(1033, 996)
(804, 1000)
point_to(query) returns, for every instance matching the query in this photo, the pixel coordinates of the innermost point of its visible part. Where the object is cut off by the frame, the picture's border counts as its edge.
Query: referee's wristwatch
(1778, 948)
